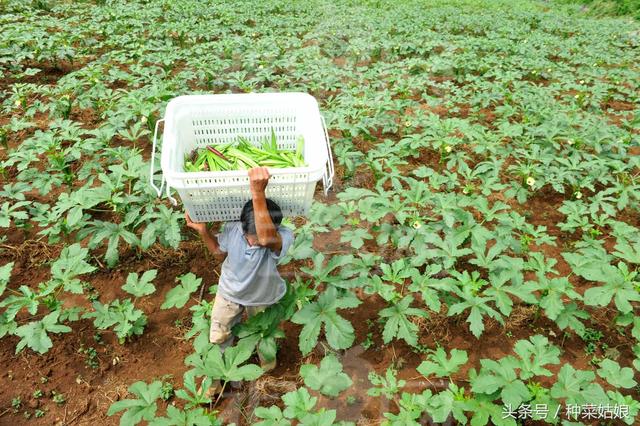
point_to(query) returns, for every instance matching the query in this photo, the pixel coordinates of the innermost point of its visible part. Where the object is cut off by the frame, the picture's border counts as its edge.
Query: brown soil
(619, 106)
(89, 392)
(439, 110)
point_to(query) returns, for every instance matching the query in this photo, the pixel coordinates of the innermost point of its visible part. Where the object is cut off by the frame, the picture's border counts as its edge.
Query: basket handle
(173, 200)
(153, 161)
(327, 178)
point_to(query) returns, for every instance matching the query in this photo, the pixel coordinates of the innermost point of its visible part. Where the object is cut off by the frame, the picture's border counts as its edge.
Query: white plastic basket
(195, 121)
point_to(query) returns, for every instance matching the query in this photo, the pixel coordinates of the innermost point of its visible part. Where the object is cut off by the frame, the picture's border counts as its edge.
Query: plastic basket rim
(221, 97)
(168, 146)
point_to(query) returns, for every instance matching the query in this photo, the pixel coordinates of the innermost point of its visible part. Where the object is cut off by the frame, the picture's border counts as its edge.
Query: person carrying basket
(249, 279)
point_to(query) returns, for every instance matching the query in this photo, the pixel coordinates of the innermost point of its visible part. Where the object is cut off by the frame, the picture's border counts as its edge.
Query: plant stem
(220, 394)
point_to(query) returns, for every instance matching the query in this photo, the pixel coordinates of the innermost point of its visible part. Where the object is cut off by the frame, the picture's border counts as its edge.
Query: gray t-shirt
(249, 274)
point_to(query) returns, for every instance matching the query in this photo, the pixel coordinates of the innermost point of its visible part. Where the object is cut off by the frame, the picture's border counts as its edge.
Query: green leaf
(5, 274)
(619, 285)
(140, 286)
(34, 334)
(103, 317)
(397, 322)
(111, 232)
(576, 386)
(263, 329)
(298, 403)
(211, 363)
(555, 291)
(356, 237)
(478, 304)
(272, 416)
(636, 353)
(7, 327)
(627, 251)
(328, 379)
(70, 264)
(322, 273)
(450, 401)
(635, 331)
(438, 365)
(570, 317)
(178, 417)
(502, 293)
(148, 236)
(534, 354)
(501, 375)
(589, 263)
(128, 320)
(179, 295)
(619, 400)
(411, 408)
(428, 287)
(143, 408)
(339, 331)
(194, 393)
(486, 412)
(71, 314)
(321, 418)
(615, 375)
(74, 216)
(25, 298)
(388, 385)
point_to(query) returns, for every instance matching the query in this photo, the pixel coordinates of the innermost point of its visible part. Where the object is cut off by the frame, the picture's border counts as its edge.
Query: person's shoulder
(285, 231)
(232, 226)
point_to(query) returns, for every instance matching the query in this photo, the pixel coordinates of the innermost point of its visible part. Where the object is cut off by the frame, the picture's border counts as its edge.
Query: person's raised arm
(268, 235)
(209, 240)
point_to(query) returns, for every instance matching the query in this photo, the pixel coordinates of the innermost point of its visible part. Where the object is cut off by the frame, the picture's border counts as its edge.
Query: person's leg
(266, 365)
(224, 315)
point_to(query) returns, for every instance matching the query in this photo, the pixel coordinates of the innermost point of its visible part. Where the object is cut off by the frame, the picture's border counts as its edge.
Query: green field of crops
(476, 262)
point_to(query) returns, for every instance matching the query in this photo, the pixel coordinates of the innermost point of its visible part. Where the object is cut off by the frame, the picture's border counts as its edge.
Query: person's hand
(200, 227)
(258, 179)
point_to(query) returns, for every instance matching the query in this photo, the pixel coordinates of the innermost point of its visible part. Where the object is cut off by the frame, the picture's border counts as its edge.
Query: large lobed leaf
(328, 379)
(339, 332)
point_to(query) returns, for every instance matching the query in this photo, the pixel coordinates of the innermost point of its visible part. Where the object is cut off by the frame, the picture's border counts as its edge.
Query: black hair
(248, 218)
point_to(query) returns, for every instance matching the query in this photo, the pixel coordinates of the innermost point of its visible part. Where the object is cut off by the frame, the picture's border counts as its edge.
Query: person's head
(248, 220)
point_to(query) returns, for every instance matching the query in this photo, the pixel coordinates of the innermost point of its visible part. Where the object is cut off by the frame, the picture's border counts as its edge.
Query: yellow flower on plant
(448, 149)
(531, 181)
(416, 224)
